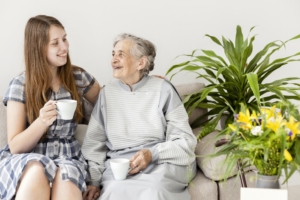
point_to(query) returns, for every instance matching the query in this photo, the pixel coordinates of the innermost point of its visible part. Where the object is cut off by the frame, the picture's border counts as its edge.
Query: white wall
(175, 26)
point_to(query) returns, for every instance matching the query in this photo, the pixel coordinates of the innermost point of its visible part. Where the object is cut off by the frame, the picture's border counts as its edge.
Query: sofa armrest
(3, 125)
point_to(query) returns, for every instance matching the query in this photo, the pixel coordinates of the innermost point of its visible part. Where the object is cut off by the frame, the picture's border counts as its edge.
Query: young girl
(41, 147)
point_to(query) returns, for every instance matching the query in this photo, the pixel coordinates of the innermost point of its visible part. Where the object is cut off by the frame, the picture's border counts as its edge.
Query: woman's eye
(65, 39)
(56, 43)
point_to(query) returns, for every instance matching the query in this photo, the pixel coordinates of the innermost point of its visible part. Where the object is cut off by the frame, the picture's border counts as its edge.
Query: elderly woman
(141, 118)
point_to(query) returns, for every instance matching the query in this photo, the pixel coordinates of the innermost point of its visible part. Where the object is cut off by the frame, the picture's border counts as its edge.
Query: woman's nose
(114, 59)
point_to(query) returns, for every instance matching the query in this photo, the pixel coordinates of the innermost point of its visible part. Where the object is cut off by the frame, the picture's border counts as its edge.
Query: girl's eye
(65, 39)
(56, 43)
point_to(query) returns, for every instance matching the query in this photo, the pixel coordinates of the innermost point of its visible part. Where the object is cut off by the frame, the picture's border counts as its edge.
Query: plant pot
(264, 181)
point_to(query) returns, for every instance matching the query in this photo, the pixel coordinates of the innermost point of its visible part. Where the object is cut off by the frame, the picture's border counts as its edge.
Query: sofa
(209, 182)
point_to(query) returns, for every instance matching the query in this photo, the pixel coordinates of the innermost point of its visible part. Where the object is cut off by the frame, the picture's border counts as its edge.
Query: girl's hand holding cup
(48, 113)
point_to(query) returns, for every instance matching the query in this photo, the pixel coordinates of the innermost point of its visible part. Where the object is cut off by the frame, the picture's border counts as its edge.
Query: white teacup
(66, 108)
(120, 168)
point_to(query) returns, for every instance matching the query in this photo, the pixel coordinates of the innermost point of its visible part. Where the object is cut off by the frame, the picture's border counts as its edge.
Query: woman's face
(125, 66)
(58, 47)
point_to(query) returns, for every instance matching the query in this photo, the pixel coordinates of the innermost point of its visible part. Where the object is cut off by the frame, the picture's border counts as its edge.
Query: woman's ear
(142, 63)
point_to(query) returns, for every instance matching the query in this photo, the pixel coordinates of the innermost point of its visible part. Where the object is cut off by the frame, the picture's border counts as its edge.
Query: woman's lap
(12, 166)
(162, 181)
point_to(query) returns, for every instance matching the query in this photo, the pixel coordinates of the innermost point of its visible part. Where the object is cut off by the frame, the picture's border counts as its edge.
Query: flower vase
(270, 182)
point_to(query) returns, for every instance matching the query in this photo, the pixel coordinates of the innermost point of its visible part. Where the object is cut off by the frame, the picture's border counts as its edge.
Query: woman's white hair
(141, 47)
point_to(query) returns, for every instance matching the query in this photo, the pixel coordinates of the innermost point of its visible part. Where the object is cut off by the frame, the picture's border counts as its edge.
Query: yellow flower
(232, 127)
(287, 155)
(269, 112)
(293, 127)
(245, 119)
(274, 124)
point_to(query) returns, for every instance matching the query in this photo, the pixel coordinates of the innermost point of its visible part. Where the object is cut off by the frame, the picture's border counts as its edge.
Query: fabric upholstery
(80, 133)
(3, 124)
(212, 168)
(202, 188)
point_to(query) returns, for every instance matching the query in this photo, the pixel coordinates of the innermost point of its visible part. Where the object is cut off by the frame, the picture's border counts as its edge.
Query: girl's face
(58, 47)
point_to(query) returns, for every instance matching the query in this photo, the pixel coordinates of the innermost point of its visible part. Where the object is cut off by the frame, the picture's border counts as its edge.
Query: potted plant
(268, 139)
(235, 79)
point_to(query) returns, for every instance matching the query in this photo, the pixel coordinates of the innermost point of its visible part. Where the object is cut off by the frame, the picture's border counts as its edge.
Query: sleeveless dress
(58, 149)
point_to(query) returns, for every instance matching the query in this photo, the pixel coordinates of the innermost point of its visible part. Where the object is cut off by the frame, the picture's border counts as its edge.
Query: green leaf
(280, 81)
(239, 39)
(279, 60)
(214, 39)
(253, 63)
(220, 70)
(276, 91)
(253, 82)
(206, 77)
(230, 52)
(176, 66)
(262, 76)
(209, 127)
(208, 61)
(214, 55)
(246, 54)
(208, 105)
(294, 38)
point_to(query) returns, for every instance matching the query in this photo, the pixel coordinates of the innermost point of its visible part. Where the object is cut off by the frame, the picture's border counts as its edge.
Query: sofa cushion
(3, 124)
(203, 188)
(212, 168)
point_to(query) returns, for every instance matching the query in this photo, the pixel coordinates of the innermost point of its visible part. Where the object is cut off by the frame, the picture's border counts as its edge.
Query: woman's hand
(48, 113)
(91, 193)
(140, 161)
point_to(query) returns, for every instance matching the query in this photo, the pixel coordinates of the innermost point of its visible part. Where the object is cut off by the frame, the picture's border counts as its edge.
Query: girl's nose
(64, 45)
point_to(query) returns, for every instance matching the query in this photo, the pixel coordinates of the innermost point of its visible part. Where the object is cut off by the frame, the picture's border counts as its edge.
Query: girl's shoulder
(80, 73)
(20, 79)
(83, 79)
(16, 89)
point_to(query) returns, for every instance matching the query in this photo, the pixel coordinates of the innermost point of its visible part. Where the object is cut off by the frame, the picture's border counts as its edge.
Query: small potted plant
(268, 139)
(238, 77)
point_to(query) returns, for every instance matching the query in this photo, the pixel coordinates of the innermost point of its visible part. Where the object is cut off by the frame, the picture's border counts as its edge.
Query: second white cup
(66, 108)
(120, 168)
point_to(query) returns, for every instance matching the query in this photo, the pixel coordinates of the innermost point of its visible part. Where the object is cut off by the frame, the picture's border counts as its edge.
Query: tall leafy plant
(236, 78)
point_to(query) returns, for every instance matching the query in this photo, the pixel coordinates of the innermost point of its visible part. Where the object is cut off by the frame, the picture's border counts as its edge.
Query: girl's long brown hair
(38, 75)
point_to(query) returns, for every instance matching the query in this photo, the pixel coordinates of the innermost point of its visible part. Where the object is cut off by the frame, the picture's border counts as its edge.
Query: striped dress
(123, 122)
(58, 149)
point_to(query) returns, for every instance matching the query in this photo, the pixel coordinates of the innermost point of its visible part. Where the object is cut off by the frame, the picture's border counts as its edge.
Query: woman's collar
(135, 86)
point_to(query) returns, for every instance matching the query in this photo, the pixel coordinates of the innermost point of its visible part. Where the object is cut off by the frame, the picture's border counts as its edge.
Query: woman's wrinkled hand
(48, 113)
(140, 161)
(91, 193)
